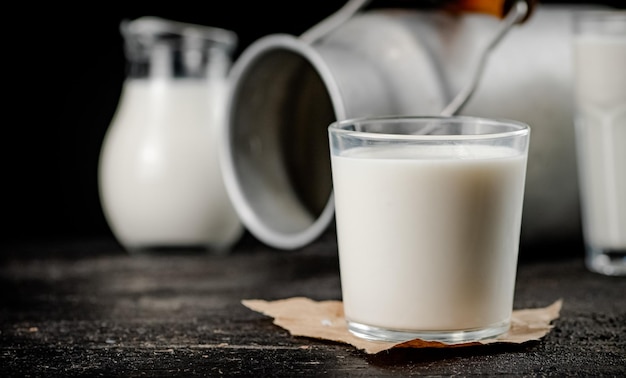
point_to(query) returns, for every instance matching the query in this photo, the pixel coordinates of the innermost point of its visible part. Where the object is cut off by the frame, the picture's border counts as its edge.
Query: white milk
(160, 179)
(428, 243)
(601, 137)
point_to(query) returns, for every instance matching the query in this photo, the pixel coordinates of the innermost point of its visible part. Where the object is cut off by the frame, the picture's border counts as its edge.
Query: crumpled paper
(325, 320)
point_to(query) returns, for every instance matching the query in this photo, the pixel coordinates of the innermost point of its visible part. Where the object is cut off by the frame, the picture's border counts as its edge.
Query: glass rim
(156, 27)
(516, 128)
(604, 21)
(589, 14)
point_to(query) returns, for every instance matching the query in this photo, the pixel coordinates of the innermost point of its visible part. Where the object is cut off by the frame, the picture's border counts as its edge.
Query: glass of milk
(428, 215)
(160, 181)
(599, 48)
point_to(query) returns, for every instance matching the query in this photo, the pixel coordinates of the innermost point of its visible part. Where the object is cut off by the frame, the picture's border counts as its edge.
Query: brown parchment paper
(324, 320)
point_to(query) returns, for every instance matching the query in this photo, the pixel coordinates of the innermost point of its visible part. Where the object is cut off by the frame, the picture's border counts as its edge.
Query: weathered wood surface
(86, 308)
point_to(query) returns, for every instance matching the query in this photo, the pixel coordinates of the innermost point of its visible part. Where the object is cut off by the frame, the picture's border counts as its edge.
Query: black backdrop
(64, 67)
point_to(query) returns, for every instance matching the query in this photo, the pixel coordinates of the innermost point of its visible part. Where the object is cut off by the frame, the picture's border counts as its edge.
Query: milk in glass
(600, 63)
(428, 237)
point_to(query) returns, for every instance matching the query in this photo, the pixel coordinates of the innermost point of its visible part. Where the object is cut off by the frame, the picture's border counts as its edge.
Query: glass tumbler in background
(428, 215)
(599, 49)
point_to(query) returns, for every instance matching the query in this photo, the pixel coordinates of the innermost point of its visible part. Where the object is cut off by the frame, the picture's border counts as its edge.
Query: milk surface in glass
(600, 63)
(160, 178)
(428, 238)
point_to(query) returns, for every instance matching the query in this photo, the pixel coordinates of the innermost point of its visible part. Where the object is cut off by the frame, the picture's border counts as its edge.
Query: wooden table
(86, 308)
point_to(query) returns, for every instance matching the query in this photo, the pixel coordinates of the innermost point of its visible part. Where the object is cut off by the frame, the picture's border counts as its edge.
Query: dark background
(64, 68)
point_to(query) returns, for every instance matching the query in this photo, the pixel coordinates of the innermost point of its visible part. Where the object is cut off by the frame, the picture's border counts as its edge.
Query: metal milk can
(286, 90)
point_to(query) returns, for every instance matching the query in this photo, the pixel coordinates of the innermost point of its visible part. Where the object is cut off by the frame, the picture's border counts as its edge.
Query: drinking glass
(599, 48)
(428, 216)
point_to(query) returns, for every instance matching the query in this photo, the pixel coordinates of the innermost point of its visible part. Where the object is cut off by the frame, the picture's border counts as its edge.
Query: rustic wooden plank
(87, 308)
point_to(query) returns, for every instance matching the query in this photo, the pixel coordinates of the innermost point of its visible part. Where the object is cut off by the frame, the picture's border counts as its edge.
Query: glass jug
(160, 181)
